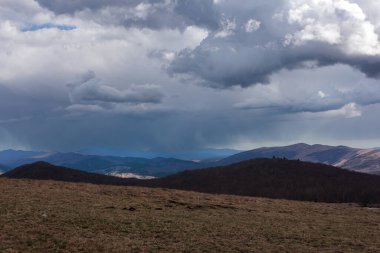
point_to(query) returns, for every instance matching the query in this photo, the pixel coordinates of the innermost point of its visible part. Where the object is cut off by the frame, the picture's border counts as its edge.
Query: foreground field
(47, 216)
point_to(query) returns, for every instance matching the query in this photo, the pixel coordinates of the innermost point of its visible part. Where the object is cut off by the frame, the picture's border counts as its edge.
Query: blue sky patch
(36, 27)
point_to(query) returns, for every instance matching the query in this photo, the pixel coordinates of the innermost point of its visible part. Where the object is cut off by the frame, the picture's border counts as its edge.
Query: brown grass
(46, 216)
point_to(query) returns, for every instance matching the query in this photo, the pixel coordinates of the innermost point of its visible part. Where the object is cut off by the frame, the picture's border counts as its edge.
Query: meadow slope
(48, 216)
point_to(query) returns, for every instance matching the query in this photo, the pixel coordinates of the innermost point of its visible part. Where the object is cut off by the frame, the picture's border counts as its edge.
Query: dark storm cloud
(235, 53)
(237, 56)
(220, 65)
(64, 6)
(225, 67)
(198, 12)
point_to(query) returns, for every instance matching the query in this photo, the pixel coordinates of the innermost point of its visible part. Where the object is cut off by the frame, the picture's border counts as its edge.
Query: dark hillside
(279, 178)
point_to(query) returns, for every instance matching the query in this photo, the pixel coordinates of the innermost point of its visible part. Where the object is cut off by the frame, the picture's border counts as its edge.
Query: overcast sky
(170, 75)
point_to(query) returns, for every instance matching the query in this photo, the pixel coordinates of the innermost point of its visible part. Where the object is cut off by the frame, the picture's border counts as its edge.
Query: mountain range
(192, 155)
(361, 160)
(112, 165)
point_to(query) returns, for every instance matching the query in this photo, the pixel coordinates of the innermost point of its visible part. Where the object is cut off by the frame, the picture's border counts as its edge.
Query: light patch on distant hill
(42, 156)
(129, 175)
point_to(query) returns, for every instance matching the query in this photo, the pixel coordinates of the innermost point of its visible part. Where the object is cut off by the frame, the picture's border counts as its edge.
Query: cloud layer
(188, 74)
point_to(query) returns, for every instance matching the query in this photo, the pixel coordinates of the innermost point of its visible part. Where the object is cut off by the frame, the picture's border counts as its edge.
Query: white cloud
(252, 25)
(337, 22)
(228, 28)
(322, 94)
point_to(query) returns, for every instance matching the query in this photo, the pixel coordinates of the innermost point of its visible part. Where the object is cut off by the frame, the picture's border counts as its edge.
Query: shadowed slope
(279, 178)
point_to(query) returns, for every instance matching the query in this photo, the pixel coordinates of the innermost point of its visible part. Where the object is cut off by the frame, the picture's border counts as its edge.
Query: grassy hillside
(47, 216)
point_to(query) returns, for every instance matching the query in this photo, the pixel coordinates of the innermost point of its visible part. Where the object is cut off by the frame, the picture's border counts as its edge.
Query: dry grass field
(47, 216)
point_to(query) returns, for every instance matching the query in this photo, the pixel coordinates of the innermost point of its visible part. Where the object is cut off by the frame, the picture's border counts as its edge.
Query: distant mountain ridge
(362, 160)
(140, 167)
(192, 155)
(9, 156)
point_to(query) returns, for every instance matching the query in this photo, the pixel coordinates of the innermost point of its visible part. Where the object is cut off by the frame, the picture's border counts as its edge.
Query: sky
(179, 75)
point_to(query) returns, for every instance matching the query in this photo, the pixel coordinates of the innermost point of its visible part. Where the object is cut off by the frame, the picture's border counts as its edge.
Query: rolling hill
(278, 178)
(272, 178)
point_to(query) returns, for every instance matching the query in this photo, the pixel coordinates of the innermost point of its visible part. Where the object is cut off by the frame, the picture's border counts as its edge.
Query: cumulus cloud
(291, 33)
(342, 23)
(252, 25)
